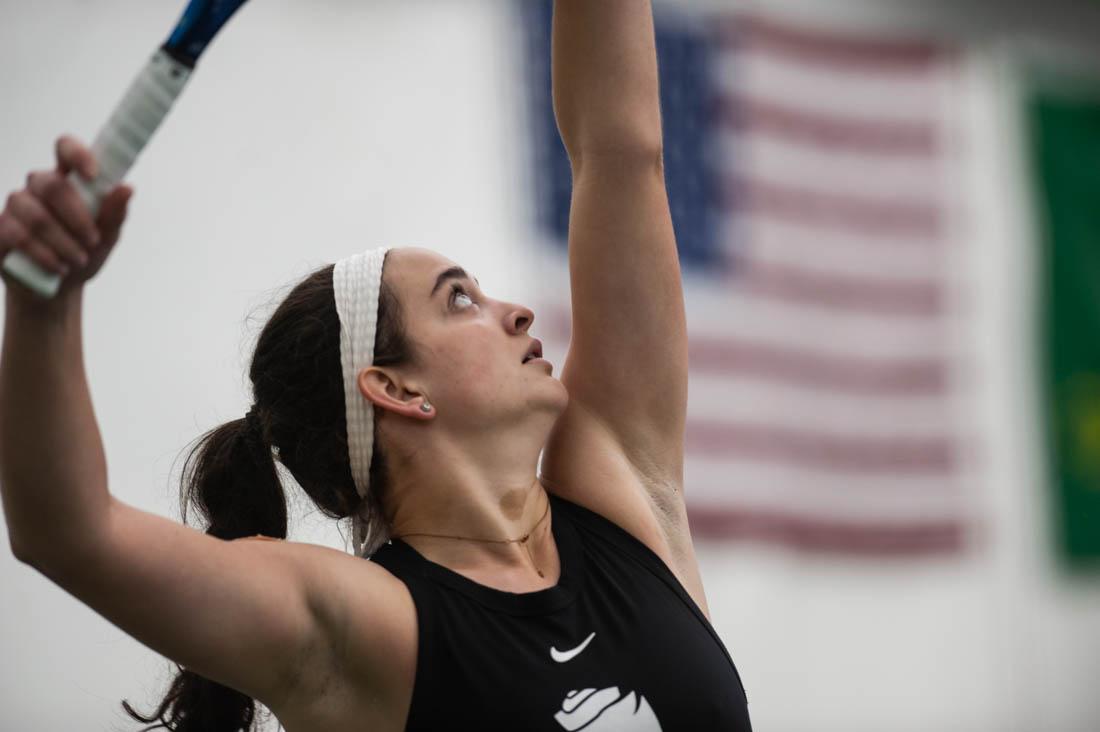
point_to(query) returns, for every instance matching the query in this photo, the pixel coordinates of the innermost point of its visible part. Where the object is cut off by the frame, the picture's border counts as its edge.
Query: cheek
(476, 369)
(476, 386)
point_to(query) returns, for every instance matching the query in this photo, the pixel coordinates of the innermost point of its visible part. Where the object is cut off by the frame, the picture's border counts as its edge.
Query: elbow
(21, 547)
(53, 554)
(41, 563)
(625, 135)
(622, 154)
(21, 555)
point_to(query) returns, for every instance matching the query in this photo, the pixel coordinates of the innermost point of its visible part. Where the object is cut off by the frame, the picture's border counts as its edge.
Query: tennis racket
(135, 119)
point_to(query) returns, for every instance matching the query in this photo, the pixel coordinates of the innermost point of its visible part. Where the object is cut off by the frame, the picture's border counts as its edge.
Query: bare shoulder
(364, 675)
(584, 462)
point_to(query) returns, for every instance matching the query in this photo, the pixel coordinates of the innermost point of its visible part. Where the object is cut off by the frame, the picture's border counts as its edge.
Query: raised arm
(628, 357)
(626, 370)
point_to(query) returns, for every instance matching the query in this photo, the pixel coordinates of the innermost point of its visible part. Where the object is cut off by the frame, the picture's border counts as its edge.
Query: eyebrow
(450, 274)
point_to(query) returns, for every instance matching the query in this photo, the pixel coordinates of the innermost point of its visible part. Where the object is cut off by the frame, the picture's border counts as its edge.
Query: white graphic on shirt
(563, 656)
(606, 711)
(602, 710)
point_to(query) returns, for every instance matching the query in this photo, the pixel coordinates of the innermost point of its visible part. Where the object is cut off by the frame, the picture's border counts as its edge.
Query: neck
(473, 483)
(512, 532)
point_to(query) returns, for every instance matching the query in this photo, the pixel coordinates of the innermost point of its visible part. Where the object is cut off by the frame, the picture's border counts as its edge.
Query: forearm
(53, 472)
(604, 76)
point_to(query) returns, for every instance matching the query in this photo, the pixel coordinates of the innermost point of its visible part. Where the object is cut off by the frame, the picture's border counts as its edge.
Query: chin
(564, 402)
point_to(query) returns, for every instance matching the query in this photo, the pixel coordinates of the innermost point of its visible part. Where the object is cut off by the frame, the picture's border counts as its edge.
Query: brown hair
(298, 387)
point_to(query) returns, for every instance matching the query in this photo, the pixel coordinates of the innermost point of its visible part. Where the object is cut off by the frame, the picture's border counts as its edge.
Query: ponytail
(230, 475)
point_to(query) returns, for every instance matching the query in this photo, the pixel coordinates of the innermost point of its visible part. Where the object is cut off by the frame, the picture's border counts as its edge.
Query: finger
(73, 155)
(43, 227)
(112, 212)
(65, 203)
(13, 235)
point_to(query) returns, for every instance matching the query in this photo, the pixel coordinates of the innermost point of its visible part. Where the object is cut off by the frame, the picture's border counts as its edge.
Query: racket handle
(116, 147)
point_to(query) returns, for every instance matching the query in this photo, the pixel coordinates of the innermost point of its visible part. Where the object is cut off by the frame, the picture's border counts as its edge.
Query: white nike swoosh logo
(563, 656)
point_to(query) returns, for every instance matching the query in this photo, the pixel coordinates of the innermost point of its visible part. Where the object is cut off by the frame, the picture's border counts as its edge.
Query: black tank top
(616, 646)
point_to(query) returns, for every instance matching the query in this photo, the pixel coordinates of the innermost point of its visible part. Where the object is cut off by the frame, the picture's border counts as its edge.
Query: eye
(456, 290)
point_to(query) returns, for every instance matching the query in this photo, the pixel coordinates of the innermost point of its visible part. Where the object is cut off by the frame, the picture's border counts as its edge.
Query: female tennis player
(412, 404)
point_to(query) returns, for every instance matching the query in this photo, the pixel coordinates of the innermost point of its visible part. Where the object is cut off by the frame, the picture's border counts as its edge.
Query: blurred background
(887, 221)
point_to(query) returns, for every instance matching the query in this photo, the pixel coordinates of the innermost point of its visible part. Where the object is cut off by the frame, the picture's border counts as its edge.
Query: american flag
(807, 173)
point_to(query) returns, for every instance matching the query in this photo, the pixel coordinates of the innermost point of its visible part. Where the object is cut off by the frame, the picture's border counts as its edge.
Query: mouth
(534, 353)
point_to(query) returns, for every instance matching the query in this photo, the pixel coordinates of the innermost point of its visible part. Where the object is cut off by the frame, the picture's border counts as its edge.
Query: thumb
(112, 212)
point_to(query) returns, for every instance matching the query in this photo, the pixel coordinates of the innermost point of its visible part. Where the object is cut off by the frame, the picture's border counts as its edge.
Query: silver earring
(425, 407)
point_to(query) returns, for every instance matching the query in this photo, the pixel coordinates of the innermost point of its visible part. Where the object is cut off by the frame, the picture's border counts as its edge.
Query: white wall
(398, 122)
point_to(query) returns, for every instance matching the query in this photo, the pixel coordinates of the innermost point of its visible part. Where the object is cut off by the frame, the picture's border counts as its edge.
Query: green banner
(1064, 128)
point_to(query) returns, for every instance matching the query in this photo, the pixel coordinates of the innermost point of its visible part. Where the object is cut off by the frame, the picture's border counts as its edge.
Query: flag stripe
(902, 138)
(830, 332)
(757, 361)
(814, 47)
(798, 284)
(769, 488)
(830, 252)
(872, 538)
(869, 94)
(773, 486)
(830, 452)
(862, 214)
(822, 410)
(784, 162)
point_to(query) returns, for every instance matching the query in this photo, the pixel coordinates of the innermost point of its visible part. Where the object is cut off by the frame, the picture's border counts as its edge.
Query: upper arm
(246, 614)
(619, 447)
(627, 360)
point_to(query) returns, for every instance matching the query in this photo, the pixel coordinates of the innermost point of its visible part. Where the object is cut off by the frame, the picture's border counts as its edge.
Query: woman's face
(471, 346)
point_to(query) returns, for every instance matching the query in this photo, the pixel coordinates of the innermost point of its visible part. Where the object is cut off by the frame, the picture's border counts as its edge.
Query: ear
(385, 391)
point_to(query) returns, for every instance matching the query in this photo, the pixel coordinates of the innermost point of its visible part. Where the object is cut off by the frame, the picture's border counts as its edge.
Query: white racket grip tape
(116, 147)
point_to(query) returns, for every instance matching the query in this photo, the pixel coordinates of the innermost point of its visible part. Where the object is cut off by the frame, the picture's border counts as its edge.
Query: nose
(520, 319)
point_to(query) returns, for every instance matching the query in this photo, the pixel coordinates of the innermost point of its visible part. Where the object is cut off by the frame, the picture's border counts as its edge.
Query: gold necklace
(522, 540)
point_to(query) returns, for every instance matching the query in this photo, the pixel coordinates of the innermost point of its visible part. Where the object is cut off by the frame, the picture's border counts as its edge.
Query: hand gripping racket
(135, 119)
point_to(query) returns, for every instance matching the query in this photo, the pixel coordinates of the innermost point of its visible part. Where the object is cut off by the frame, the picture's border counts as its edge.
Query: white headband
(356, 281)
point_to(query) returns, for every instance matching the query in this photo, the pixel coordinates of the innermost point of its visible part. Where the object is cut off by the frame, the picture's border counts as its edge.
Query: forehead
(414, 263)
(414, 270)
